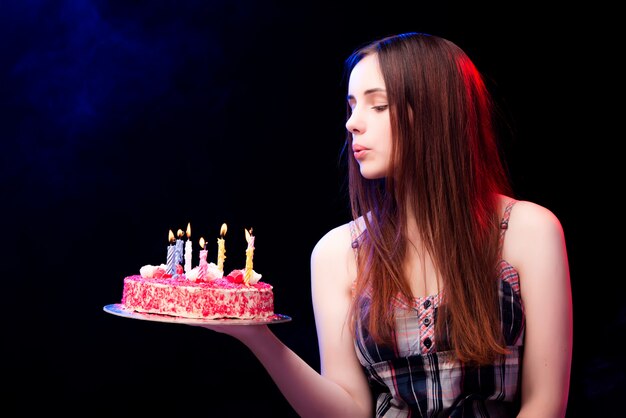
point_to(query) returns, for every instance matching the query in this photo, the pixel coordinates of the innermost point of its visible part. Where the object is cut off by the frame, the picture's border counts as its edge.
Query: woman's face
(369, 122)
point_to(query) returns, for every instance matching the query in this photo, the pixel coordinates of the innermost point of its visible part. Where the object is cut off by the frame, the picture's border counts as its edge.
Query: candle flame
(188, 230)
(202, 243)
(170, 236)
(223, 229)
(179, 233)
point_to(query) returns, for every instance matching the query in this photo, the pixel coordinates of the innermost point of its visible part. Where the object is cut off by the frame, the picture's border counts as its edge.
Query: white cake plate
(117, 309)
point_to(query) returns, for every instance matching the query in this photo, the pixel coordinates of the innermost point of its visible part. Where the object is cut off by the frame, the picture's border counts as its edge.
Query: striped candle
(178, 258)
(203, 265)
(171, 255)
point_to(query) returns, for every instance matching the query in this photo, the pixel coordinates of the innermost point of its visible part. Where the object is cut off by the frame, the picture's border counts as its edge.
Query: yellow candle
(221, 248)
(249, 254)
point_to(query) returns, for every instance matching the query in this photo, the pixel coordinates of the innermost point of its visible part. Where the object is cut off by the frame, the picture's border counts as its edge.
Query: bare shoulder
(332, 259)
(337, 243)
(529, 220)
(534, 233)
(334, 240)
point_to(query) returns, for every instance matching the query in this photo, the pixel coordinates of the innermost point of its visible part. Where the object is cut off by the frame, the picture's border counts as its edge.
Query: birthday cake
(200, 292)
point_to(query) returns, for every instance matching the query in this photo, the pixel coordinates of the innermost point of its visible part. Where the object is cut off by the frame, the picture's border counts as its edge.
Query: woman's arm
(333, 269)
(341, 389)
(535, 246)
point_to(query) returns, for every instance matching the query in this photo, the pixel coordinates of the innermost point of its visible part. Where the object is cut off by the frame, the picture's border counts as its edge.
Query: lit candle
(179, 247)
(249, 253)
(188, 250)
(171, 250)
(203, 263)
(221, 248)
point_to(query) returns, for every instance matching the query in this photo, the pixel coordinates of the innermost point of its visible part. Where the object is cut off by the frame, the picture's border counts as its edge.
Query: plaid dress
(414, 379)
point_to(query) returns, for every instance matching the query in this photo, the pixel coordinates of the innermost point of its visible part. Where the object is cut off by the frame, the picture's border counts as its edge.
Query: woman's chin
(370, 173)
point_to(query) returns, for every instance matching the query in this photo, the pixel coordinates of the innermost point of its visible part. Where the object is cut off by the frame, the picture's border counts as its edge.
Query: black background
(121, 120)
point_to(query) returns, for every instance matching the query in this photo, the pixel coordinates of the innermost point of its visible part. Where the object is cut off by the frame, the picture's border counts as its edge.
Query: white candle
(188, 250)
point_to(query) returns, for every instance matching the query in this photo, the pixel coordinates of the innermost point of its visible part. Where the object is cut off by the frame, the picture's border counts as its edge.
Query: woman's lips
(359, 151)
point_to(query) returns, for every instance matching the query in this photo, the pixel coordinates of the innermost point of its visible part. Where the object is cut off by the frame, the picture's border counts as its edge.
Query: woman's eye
(380, 108)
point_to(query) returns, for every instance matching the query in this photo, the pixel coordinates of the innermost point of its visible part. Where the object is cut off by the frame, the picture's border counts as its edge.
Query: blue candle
(171, 255)
(178, 259)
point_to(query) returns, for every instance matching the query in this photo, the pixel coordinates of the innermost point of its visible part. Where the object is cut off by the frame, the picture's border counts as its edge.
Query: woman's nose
(353, 125)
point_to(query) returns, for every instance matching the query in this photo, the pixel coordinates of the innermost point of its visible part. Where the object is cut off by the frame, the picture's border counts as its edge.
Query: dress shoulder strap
(504, 222)
(354, 237)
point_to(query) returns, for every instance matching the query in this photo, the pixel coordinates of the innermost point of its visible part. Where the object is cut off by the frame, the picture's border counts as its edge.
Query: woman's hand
(244, 333)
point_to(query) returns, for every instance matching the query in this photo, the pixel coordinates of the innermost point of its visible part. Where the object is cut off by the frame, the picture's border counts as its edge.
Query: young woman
(444, 296)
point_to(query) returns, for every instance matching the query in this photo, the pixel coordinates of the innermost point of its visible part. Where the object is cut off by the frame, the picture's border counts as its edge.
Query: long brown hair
(446, 171)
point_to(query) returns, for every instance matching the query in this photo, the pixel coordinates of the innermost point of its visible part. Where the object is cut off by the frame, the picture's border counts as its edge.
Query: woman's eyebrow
(366, 92)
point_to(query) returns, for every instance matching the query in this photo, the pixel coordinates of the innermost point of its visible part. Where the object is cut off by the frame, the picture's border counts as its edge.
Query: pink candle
(203, 266)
